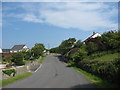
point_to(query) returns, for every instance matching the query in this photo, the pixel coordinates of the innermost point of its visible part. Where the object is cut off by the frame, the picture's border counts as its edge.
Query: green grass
(42, 59)
(98, 82)
(106, 58)
(14, 79)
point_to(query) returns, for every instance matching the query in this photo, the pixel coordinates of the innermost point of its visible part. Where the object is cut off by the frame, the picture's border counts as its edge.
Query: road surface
(53, 74)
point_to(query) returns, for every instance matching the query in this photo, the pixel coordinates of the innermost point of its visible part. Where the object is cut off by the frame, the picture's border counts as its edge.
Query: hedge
(109, 71)
(9, 72)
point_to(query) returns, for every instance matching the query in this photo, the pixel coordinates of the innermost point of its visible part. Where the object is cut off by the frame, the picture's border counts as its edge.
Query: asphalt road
(53, 74)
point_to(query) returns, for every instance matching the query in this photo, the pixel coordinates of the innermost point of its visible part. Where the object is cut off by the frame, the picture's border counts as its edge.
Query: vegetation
(37, 50)
(16, 78)
(79, 55)
(18, 58)
(9, 72)
(98, 56)
(6, 59)
(41, 60)
(98, 82)
(104, 67)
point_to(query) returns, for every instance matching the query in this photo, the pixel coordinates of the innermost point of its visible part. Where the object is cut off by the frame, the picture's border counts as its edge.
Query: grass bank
(42, 59)
(16, 78)
(98, 82)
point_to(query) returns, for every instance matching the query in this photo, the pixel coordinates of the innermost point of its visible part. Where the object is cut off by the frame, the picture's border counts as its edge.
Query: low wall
(28, 67)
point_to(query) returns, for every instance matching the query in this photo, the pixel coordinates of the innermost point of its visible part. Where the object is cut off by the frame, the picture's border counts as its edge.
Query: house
(0, 50)
(0, 55)
(18, 48)
(93, 38)
(5, 50)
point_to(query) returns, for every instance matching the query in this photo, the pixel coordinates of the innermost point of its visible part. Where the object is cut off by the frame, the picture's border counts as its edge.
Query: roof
(95, 35)
(17, 47)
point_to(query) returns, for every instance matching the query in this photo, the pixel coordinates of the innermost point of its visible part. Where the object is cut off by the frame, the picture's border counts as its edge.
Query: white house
(0, 50)
(18, 48)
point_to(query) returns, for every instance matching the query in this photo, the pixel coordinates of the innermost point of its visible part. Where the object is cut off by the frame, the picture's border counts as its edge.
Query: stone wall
(28, 67)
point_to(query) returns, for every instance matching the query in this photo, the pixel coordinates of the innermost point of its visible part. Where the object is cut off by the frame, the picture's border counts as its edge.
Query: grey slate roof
(17, 47)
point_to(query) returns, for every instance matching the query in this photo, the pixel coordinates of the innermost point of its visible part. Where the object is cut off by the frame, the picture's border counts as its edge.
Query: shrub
(108, 70)
(91, 47)
(17, 58)
(79, 55)
(9, 72)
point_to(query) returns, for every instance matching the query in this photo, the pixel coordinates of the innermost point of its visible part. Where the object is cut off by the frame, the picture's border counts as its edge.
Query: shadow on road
(61, 58)
(82, 86)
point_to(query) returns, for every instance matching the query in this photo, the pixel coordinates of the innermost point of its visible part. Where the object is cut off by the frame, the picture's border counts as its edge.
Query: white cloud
(84, 16)
(32, 18)
(60, 0)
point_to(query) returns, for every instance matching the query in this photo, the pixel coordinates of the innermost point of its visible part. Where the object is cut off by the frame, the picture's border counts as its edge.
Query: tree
(37, 50)
(66, 45)
(91, 47)
(17, 58)
(79, 55)
(27, 55)
(111, 40)
(78, 44)
(54, 50)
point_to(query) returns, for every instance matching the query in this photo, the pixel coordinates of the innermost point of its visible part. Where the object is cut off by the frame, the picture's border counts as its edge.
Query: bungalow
(18, 48)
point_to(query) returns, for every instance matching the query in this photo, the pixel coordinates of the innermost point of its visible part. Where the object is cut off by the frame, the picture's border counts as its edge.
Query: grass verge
(16, 78)
(98, 82)
(42, 59)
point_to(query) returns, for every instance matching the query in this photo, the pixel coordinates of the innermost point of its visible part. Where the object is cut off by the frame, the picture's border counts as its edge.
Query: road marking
(38, 67)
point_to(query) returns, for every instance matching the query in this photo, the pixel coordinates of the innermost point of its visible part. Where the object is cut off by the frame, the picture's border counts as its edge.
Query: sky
(52, 22)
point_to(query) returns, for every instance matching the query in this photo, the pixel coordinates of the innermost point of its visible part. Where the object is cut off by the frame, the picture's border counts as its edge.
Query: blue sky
(52, 22)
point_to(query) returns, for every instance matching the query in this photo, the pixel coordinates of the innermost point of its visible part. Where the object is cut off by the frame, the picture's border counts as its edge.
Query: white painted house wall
(0, 50)
(25, 47)
(13, 51)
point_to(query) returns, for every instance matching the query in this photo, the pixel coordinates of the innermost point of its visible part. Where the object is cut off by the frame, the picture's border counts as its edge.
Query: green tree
(79, 55)
(37, 50)
(27, 55)
(78, 44)
(66, 45)
(54, 50)
(111, 40)
(91, 47)
(17, 58)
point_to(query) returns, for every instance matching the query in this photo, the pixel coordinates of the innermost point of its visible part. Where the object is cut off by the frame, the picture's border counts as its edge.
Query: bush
(91, 47)
(111, 40)
(17, 58)
(79, 55)
(9, 72)
(108, 70)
